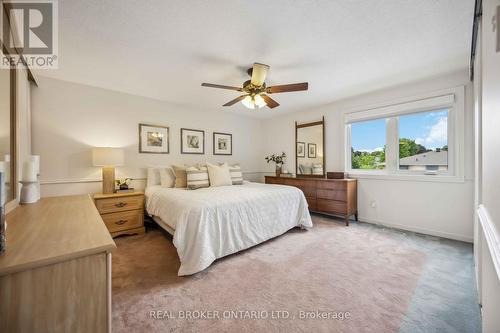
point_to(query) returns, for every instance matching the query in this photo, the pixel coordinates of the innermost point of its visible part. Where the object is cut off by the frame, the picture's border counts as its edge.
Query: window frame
(452, 99)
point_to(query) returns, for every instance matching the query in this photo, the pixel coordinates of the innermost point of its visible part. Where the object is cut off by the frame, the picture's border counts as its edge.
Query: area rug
(330, 278)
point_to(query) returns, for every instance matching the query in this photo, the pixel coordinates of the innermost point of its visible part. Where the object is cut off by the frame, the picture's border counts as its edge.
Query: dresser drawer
(308, 191)
(119, 204)
(331, 206)
(123, 220)
(332, 185)
(270, 180)
(311, 202)
(338, 195)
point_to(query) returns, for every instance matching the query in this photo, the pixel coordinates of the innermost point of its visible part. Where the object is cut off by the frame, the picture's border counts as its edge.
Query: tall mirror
(310, 149)
(7, 135)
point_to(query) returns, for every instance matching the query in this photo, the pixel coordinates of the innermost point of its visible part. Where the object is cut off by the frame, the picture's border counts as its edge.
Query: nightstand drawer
(119, 204)
(123, 220)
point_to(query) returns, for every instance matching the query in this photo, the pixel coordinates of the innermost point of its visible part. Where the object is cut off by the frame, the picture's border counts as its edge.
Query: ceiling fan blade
(271, 103)
(288, 88)
(236, 100)
(259, 73)
(211, 85)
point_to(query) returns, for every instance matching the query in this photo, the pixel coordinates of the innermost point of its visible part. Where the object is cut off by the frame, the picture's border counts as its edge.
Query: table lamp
(108, 159)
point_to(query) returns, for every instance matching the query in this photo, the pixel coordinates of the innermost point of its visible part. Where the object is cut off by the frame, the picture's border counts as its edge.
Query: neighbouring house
(430, 161)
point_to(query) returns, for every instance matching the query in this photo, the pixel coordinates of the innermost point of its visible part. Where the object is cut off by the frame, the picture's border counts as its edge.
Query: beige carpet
(327, 271)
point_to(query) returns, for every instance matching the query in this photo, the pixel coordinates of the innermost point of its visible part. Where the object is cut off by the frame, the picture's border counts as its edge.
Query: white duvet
(211, 223)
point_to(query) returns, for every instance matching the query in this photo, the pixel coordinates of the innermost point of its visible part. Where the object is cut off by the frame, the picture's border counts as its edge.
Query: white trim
(452, 99)
(424, 231)
(407, 177)
(99, 180)
(396, 109)
(491, 236)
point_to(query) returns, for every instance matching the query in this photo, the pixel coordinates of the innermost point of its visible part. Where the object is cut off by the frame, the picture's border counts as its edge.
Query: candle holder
(29, 192)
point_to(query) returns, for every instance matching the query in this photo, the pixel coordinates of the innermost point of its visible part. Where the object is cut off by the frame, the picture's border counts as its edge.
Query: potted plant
(279, 160)
(123, 184)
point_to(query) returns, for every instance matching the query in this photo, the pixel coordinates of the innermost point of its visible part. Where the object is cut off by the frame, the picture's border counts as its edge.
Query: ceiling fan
(256, 92)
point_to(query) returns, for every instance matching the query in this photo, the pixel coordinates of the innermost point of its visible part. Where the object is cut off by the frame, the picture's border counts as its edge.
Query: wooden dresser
(337, 197)
(123, 213)
(55, 275)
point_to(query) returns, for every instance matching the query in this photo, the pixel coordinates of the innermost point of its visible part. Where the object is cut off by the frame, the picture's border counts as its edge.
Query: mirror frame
(314, 123)
(12, 203)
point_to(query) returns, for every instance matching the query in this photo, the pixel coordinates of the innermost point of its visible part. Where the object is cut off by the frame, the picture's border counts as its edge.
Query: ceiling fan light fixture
(253, 102)
(259, 101)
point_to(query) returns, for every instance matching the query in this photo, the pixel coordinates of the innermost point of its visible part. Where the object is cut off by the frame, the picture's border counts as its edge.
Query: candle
(36, 159)
(29, 172)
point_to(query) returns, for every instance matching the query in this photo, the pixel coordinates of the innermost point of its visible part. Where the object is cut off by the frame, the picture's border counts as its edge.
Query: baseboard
(419, 230)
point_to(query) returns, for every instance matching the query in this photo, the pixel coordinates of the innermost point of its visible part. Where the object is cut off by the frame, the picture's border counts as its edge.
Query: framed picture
(192, 141)
(223, 144)
(301, 149)
(311, 150)
(154, 139)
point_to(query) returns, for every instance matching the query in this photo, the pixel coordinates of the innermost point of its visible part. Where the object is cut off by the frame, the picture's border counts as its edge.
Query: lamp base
(108, 180)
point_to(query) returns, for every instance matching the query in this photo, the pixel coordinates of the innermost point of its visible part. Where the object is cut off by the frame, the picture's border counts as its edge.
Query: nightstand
(123, 213)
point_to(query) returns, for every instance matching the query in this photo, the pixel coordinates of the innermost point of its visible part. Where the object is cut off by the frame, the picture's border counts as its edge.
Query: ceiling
(166, 49)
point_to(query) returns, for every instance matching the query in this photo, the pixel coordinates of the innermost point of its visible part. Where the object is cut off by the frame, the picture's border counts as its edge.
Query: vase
(278, 171)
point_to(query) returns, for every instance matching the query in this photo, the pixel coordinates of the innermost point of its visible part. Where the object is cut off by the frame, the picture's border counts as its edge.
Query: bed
(211, 223)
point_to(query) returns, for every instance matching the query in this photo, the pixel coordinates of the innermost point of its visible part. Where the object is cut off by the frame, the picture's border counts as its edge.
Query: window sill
(407, 177)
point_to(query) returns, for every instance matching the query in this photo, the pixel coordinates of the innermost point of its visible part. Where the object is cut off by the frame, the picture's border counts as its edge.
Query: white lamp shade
(107, 157)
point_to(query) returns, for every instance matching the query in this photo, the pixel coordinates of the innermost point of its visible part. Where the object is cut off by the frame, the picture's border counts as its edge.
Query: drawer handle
(121, 222)
(121, 204)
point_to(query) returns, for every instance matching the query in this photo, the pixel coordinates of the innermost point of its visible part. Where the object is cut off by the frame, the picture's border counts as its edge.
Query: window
(368, 144)
(417, 138)
(423, 141)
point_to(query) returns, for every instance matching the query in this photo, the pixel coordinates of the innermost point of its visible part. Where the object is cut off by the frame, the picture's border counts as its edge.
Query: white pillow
(197, 177)
(167, 177)
(219, 175)
(153, 177)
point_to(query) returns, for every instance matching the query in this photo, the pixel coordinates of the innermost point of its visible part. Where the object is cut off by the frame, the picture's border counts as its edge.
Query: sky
(430, 129)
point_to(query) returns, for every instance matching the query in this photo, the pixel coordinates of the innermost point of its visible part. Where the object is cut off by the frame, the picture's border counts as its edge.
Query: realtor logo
(29, 33)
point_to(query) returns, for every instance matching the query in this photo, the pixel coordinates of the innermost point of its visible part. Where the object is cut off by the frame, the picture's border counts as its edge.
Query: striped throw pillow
(197, 177)
(236, 174)
(180, 176)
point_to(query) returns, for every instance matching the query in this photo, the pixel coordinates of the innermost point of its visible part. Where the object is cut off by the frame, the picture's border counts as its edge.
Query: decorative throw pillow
(197, 177)
(219, 175)
(180, 176)
(301, 169)
(153, 177)
(236, 174)
(167, 177)
(307, 170)
(317, 169)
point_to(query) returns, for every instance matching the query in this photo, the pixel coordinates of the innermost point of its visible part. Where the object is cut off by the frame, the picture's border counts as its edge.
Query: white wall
(487, 100)
(438, 208)
(491, 116)
(69, 119)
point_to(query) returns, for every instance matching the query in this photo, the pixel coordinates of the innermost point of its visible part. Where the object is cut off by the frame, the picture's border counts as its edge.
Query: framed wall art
(154, 139)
